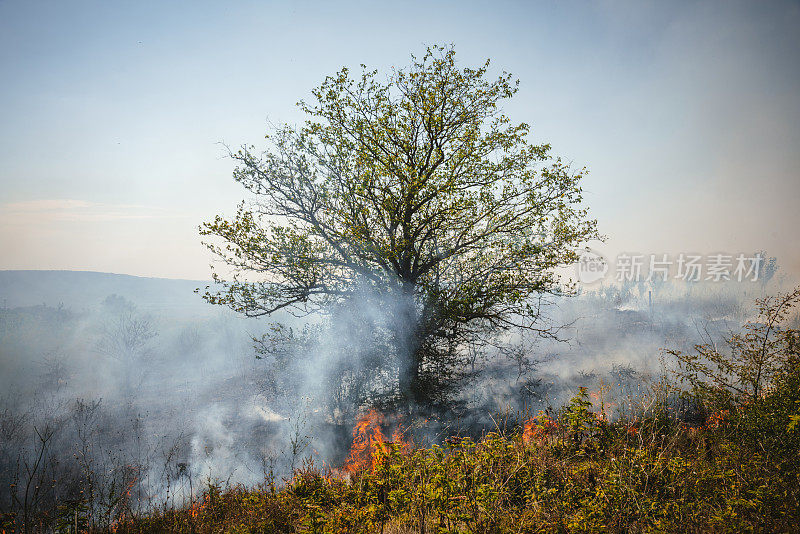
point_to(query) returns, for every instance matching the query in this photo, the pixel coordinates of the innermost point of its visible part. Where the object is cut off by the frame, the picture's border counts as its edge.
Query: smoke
(164, 402)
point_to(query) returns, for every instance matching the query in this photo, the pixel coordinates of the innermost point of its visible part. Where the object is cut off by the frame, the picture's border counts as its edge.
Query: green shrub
(574, 471)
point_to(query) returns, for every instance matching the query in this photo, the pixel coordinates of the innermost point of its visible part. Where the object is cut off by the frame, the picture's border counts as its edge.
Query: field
(571, 471)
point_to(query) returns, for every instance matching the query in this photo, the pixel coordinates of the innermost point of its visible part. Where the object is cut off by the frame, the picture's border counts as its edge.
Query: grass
(573, 471)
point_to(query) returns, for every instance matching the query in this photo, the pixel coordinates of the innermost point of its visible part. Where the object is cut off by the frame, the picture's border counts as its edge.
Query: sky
(113, 115)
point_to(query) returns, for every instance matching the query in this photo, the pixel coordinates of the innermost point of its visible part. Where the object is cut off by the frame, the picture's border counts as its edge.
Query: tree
(126, 338)
(417, 191)
(751, 359)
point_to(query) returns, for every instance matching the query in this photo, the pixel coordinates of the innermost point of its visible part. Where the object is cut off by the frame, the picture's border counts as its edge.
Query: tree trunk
(408, 343)
(409, 377)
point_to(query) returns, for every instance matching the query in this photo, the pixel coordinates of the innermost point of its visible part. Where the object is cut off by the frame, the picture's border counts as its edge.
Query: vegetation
(419, 198)
(569, 473)
(417, 193)
(576, 470)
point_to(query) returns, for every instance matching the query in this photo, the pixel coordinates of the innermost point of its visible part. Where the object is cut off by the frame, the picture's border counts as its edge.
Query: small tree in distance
(417, 190)
(751, 359)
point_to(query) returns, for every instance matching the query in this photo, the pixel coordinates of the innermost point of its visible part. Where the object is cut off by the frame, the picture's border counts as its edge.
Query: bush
(571, 471)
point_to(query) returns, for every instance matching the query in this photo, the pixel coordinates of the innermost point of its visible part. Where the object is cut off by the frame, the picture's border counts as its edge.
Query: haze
(686, 114)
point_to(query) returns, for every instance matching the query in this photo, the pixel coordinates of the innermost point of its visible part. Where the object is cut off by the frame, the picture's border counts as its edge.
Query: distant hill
(81, 290)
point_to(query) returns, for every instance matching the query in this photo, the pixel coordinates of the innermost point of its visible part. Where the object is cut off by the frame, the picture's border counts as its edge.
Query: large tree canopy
(417, 188)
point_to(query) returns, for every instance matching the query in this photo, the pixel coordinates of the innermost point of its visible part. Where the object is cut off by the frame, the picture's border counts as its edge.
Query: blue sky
(687, 114)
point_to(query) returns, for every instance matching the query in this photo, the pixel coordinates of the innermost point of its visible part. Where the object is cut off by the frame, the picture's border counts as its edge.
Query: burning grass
(735, 468)
(370, 446)
(574, 471)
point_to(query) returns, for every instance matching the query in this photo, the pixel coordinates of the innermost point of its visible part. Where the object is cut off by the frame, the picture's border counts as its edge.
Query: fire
(717, 419)
(122, 505)
(370, 445)
(530, 431)
(537, 428)
(197, 506)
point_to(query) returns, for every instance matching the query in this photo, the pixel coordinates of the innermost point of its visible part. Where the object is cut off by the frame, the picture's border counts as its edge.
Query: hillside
(86, 289)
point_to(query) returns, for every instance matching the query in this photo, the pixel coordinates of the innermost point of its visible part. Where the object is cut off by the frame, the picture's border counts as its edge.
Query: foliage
(574, 470)
(416, 192)
(754, 356)
(577, 473)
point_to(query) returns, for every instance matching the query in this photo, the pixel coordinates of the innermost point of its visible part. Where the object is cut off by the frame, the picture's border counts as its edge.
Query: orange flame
(123, 503)
(717, 419)
(198, 506)
(369, 444)
(530, 431)
(537, 428)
